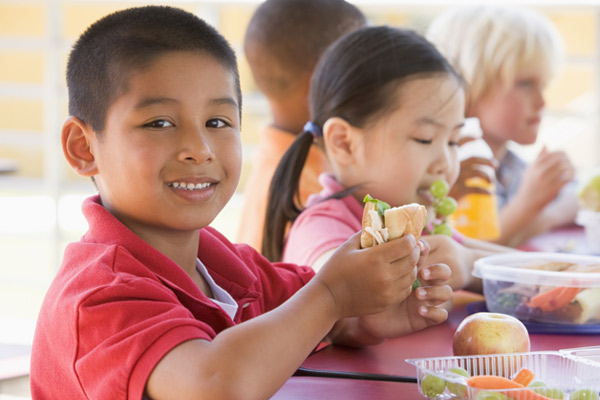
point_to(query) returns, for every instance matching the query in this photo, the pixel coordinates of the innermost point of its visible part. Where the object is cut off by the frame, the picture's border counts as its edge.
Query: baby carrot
(524, 377)
(554, 299)
(492, 382)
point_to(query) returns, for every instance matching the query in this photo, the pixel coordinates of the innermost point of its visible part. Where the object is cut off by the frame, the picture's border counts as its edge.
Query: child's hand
(471, 168)
(367, 281)
(420, 310)
(446, 250)
(544, 178)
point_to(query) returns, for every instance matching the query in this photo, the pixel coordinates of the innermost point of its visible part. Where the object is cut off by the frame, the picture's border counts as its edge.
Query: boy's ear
(340, 137)
(75, 139)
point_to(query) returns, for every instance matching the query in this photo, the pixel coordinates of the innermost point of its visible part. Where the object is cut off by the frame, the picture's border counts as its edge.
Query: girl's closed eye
(423, 141)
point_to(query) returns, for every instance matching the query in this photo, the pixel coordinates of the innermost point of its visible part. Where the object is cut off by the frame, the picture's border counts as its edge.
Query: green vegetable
(508, 300)
(433, 385)
(380, 206)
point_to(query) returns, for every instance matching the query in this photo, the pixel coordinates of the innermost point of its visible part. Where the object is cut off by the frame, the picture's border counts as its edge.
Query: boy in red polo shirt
(152, 302)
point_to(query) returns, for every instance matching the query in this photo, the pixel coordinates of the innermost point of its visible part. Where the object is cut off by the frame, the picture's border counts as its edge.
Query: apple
(490, 333)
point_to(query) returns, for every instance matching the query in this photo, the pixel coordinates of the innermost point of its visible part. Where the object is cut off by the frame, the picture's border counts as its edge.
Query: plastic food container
(542, 287)
(590, 220)
(560, 372)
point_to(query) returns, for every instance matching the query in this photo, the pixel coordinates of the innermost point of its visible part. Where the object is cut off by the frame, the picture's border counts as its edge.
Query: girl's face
(513, 112)
(169, 158)
(414, 144)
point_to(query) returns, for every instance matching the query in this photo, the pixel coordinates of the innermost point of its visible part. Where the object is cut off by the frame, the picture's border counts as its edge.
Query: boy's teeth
(189, 186)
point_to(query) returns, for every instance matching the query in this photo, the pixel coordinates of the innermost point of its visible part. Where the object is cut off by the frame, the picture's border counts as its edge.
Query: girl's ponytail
(284, 206)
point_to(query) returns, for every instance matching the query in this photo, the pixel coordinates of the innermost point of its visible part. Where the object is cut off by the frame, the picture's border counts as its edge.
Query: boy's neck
(290, 114)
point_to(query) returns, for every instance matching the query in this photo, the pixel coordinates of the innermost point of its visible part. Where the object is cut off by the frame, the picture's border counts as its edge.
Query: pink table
(389, 358)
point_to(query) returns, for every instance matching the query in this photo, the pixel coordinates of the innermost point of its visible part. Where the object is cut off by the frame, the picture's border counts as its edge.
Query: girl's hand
(446, 250)
(367, 281)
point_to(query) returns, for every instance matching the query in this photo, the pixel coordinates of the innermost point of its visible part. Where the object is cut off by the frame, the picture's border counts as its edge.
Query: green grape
(584, 394)
(446, 206)
(433, 385)
(439, 189)
(537, 384)
(442, 229)
(457, 388)
(485, 395)
(549, 392)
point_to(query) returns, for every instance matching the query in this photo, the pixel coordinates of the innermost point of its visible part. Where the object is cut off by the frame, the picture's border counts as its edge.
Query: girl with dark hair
(387, 108)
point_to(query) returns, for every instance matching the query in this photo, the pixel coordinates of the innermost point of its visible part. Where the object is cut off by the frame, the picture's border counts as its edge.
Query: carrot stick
(524, 377)
(492, 382)
(554, 299)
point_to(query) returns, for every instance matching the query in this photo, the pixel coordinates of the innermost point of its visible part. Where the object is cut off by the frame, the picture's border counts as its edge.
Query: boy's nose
(195, 147)
(441, 164)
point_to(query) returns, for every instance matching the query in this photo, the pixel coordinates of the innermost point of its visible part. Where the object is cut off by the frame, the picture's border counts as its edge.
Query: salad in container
(553, 288)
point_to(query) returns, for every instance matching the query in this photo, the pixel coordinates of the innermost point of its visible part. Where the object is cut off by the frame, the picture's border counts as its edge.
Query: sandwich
(381, 222)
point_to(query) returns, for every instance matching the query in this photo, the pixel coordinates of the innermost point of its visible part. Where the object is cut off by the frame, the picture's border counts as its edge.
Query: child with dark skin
(152, 302)
(283, 42)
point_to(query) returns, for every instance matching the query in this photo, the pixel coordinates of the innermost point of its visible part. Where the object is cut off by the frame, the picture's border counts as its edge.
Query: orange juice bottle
(476, 214)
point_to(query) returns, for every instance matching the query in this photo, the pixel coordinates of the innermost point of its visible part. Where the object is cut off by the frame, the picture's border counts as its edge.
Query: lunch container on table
(557, 374)
(513, 284)
(590, 220)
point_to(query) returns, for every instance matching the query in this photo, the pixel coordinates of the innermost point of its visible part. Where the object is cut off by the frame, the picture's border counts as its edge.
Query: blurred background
(40, 197)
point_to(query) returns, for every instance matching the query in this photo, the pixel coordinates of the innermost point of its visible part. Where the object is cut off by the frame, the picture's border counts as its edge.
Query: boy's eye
(158, 124)
(216, 123)
(453, 143)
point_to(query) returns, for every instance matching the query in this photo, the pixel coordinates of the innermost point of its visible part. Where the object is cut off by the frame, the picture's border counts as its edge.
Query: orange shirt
(274, 143)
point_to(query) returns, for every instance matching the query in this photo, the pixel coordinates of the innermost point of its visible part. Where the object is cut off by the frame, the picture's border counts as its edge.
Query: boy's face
(169, 158)
(513, 112)
(415, 144)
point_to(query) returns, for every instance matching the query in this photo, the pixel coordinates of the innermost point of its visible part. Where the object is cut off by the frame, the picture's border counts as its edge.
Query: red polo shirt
(117, 306)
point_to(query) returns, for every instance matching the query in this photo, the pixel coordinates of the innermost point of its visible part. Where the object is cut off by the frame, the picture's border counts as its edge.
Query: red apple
(490, 333)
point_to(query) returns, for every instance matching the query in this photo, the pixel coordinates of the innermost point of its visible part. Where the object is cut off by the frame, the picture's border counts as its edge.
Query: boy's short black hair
(285, 39)
(120, 43)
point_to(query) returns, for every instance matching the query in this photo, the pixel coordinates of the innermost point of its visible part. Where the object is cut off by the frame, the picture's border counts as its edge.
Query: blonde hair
(489, 45)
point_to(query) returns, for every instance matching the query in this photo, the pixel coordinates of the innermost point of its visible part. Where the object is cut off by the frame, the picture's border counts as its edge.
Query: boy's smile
(169, 158)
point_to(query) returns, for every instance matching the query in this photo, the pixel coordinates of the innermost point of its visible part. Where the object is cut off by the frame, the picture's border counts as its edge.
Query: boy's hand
(544, 178)
(420, 310)
(367, 281)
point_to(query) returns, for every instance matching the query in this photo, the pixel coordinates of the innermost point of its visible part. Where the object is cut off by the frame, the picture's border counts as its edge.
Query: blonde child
(152, 302)
(387, 108)
(507, 56)
(283, 43)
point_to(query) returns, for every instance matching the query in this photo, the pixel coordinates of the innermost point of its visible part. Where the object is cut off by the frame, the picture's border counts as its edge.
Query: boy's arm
(253, 359)
(543, 179)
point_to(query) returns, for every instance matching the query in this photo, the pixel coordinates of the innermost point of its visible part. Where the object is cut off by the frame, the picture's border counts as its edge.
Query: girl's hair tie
(313, 129)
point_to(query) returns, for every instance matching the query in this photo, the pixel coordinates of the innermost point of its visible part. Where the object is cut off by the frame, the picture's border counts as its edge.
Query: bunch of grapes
(443, 206)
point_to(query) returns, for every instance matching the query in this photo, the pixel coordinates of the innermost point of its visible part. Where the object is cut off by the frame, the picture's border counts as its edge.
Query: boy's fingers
(435, 272)
(435, 315)
(434, 295)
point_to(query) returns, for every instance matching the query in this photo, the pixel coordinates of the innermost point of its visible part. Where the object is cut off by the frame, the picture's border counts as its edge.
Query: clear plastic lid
(509, 267)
